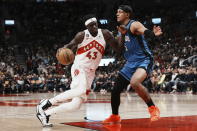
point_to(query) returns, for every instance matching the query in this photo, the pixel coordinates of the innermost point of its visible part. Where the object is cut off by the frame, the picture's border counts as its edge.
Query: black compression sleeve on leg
(150, 103)
(120, 84)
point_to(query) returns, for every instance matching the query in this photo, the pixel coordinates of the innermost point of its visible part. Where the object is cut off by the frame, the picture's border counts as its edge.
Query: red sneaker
(112, 119)
(154, 113)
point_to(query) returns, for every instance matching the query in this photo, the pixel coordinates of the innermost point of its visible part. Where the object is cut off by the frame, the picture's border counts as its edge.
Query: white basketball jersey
(91, 50)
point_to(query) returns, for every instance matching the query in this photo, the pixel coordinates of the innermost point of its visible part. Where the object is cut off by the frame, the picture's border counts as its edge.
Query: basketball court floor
(178, 113)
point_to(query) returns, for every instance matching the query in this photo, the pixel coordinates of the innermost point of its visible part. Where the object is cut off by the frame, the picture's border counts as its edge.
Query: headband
(90, 20)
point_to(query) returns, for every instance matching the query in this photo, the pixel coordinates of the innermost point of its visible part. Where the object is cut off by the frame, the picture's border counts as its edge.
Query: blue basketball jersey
(136, 48)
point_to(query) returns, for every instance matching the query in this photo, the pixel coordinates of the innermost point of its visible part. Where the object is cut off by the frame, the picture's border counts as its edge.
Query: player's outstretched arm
(75, 41)
(138, 28)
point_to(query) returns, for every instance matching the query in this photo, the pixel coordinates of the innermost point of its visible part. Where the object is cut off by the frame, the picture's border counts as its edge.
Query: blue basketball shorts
(130, 67)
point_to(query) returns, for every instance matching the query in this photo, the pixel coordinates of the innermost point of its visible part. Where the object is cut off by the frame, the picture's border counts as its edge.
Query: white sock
(70, 106)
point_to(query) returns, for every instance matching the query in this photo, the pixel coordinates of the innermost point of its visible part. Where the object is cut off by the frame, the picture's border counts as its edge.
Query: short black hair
(88, 16)
(127, 9)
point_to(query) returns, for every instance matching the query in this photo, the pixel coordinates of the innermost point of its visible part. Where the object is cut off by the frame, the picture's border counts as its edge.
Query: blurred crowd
(44, 27)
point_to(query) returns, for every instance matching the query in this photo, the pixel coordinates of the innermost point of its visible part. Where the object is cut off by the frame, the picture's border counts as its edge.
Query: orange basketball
(65, 56)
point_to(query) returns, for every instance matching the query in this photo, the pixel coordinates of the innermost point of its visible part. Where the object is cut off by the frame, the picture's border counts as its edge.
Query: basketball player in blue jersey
(136, 39)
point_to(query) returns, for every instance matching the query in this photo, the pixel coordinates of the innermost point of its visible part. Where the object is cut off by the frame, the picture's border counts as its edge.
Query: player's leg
(44, 119)
(78, 88)
(120, 84)
(136, 83)
(90, 74)
(69, 106)
(69, 94)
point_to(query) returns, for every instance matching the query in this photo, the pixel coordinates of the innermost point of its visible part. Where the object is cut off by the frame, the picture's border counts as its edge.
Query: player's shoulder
(136, 23)
(80, 36)
(105, 30)
(81, 33)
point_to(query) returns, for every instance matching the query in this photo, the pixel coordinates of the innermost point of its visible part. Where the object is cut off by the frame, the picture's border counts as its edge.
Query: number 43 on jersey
(92, 55)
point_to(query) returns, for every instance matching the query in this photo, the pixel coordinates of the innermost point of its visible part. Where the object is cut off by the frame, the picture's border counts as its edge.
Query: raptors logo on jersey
(91, 50)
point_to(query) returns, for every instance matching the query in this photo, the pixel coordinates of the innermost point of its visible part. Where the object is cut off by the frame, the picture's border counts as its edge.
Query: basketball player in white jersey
(90, 45)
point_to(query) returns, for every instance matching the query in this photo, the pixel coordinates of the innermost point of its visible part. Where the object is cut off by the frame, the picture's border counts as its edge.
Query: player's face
(93, 27)
(121, 16)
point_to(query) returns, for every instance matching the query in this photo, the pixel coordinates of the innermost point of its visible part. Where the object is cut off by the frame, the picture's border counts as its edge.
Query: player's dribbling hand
(122, 29)
(157, 30)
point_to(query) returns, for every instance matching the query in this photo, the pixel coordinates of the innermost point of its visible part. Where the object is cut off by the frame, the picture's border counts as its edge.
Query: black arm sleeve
(150, 36)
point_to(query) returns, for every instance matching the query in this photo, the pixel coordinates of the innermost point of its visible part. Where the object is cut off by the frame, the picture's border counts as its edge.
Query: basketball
(65, 56)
